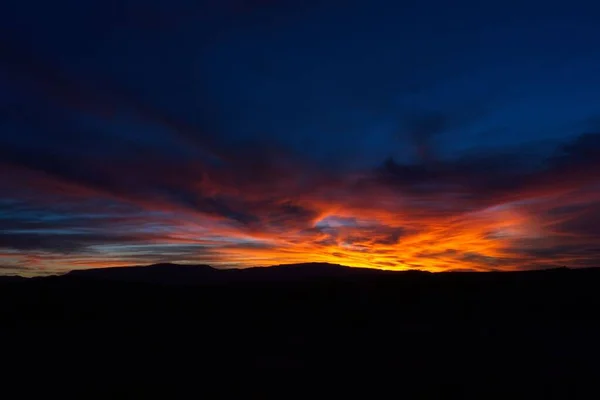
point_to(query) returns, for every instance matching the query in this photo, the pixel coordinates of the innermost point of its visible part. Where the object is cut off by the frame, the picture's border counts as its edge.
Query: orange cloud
(454, 215)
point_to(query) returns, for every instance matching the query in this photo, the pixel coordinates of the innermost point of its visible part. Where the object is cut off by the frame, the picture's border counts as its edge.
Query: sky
(434, 135)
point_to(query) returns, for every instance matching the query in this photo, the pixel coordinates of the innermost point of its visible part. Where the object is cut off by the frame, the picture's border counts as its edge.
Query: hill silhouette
(484, 335)
(178, 274)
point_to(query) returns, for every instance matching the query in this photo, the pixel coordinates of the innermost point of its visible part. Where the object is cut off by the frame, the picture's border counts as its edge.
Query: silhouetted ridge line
(204, 274)
(182, 274)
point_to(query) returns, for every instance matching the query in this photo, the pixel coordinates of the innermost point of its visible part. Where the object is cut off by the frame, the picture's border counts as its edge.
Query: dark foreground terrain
(307, 331)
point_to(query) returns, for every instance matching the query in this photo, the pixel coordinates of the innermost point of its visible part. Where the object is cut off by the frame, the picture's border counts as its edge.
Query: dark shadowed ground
(412, 335)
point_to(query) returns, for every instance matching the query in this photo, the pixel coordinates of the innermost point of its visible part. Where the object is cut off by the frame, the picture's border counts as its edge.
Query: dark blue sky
(262, 119)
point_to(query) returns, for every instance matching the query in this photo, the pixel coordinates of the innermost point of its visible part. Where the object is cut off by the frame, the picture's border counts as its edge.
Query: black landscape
(419, 182)
(431, 335)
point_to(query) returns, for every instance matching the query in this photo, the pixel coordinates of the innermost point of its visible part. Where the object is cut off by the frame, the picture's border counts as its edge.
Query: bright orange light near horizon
(477, 241)
(370, 229)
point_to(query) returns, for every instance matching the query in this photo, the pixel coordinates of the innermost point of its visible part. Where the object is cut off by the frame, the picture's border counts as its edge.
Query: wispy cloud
(487, 212)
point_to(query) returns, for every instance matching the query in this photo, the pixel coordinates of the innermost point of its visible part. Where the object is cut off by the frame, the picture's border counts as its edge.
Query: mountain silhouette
(156, 273)
(150, 323)
(178, 274)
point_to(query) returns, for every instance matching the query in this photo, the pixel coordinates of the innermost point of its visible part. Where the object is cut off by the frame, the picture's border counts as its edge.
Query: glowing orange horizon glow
(332, 221)
(478, 241)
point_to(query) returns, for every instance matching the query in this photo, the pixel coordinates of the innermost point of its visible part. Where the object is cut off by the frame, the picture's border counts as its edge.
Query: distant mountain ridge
(193, 275)
(179, 274)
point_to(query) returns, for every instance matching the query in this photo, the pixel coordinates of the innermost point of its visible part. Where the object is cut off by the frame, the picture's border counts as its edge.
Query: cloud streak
(469, 213)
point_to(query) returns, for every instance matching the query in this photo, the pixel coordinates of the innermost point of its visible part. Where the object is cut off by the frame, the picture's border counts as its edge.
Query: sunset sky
(439, 135)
